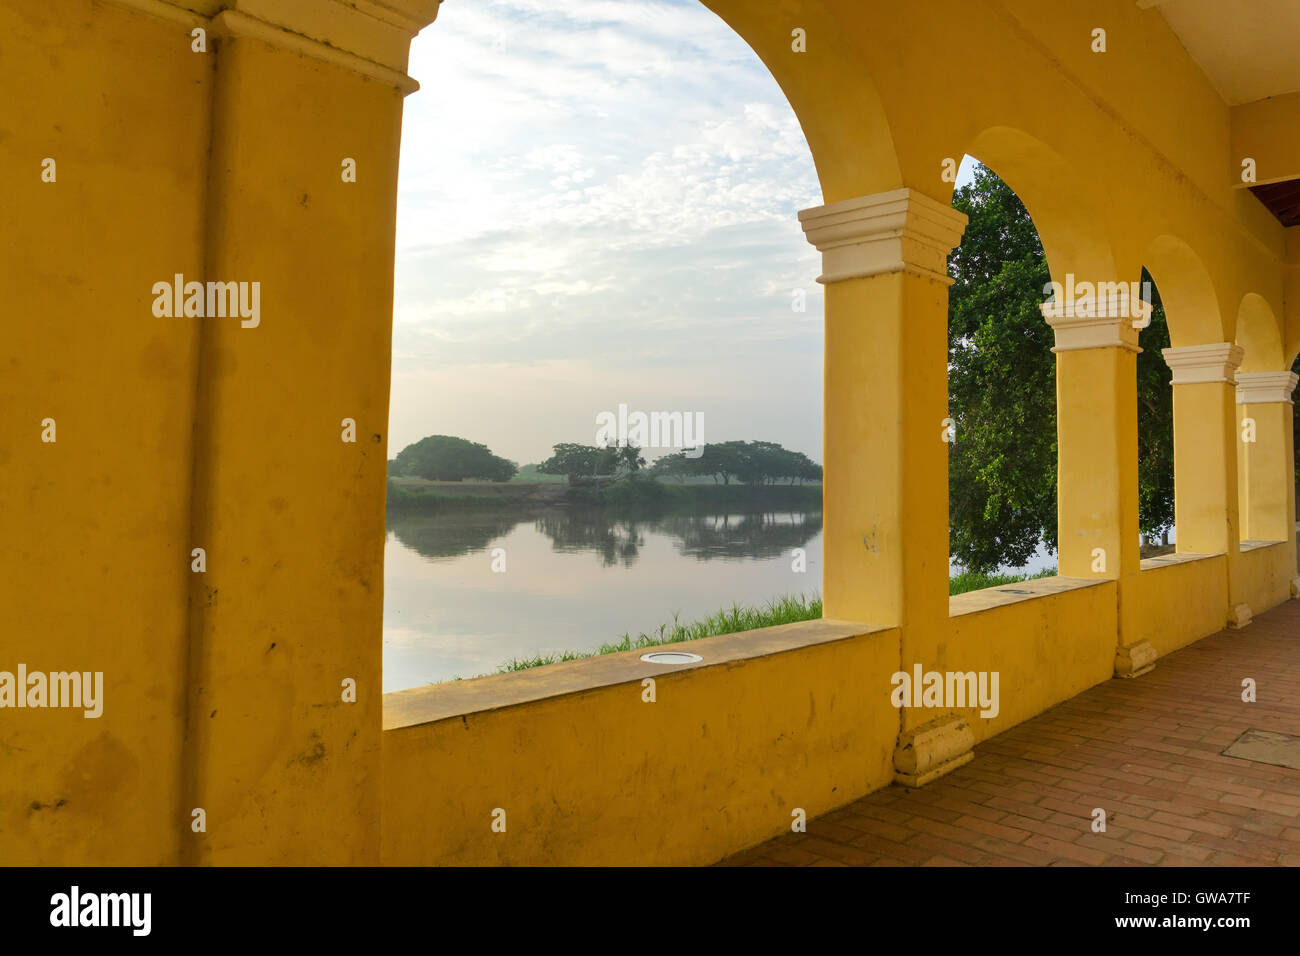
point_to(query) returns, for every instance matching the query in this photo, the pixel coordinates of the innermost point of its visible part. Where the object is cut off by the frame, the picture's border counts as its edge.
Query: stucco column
(283, 740)
(1205, 458)
(1097, 495)
(885, 486)
(1266, 454)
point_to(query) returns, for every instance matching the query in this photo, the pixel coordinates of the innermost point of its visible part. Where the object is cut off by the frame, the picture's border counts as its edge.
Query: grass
(976, 581)
(788, 609)
(783, 610)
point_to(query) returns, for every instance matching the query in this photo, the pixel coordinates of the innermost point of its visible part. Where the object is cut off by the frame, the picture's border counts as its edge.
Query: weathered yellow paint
(720, 760)
(1184, 598)
(1205, 440)
(1267, 131)
(1045, 649)
(223, 688)
(1267, 571)
(95, 526)
(1267, 473)
(885, 502)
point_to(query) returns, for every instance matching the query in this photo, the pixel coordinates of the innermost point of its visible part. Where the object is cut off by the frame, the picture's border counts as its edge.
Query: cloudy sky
(597, 206)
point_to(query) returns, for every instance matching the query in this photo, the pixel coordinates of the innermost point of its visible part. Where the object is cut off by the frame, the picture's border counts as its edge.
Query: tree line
(446, 458)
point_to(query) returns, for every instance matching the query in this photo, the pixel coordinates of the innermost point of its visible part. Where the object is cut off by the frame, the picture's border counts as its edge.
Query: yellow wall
(292, 602)
(718, 762)
(1045, 650)
(1266, 575)
(1183, 602)
(96, 525)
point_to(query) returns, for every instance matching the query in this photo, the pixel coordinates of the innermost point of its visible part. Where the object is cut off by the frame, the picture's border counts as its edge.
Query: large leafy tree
(1002, 390)
(749, 462)
(444, 458)
(1155, 424)
(577, 461)
(1001, 383)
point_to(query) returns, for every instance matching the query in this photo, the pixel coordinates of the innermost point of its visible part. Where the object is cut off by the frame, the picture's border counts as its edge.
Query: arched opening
(610, 233)
(1155, 429)
(1002, 461)
(1184, 394)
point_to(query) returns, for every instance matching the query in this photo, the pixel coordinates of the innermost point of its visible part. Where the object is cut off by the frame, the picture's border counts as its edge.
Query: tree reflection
(614, 540)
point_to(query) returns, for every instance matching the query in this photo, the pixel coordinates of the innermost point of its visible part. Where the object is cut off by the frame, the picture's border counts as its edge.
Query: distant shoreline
(419, 495)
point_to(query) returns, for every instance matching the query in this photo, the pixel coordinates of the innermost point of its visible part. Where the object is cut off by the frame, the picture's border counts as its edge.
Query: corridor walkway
(1148, 751)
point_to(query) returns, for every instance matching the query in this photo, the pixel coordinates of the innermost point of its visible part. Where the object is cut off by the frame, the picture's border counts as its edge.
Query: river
(573, 578)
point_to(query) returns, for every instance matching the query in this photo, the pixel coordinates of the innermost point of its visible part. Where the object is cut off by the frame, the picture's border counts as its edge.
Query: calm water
(573, 580)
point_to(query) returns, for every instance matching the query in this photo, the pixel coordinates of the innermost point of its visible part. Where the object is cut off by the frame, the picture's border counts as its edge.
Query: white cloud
(597, 183)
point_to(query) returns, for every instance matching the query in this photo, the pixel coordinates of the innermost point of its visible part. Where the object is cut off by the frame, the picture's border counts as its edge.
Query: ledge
(1166, 560)
(972, 602)
(1256, 544)
(424, 705)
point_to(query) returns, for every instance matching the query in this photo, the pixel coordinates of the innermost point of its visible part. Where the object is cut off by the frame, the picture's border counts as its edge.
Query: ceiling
(1249, 49)
(1282, 200)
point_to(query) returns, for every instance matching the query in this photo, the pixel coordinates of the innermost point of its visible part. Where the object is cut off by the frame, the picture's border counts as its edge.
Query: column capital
(370, 37)
(897, 231)
(1089, 329)
(1196, 364)
(1258, 388)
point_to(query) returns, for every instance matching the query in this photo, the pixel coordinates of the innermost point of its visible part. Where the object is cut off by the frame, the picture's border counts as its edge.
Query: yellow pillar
(283, 737)
(1205, 459)
(885, 484)
(1097, 495)
(1267, 497)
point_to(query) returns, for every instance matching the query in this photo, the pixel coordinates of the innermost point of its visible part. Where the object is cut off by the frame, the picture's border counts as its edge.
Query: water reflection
(571, 579)
(450, 534)
(613, 540)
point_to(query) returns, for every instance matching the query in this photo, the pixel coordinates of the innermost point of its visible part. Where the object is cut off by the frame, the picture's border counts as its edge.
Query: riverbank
(787, 609)
(643, 495)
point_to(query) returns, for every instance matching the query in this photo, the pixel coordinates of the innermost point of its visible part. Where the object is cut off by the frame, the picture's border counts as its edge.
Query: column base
(1134, 660)
(932, 750)
(1295, 588)
(1239, 616)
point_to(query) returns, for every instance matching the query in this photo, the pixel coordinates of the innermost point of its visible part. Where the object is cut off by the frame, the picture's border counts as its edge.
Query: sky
(597, 205)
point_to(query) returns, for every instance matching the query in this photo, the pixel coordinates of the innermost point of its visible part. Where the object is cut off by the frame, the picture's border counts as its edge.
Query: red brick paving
(1148, 751)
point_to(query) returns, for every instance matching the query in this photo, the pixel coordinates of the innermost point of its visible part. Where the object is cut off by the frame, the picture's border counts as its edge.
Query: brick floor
(1148, 751)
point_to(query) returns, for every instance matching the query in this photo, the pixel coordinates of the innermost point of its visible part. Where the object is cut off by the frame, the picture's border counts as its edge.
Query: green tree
(629, 458)
(676, 465)
(587, 461)
(1155, 424)
(571, 460)
(1001, 384)
(1002, 391)
(749, 462)
(444, 458)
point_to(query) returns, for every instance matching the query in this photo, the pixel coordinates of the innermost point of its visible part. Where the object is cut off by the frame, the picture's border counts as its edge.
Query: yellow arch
(1187, 291)
(1066, 210)
(1260, 335)
(832, 95)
